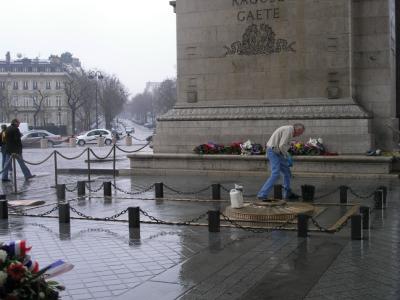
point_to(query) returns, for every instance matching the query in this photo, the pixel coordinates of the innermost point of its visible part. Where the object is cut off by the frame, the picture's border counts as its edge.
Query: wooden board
(26, 202)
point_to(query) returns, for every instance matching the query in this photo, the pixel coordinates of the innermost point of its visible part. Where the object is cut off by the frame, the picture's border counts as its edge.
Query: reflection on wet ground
(161, 261)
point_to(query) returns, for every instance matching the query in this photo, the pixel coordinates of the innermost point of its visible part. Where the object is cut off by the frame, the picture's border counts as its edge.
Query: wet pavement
(187, 262)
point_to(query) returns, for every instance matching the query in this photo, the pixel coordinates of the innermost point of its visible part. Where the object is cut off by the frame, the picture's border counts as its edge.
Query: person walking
(14, 146)
(3, 145)
(280, 160)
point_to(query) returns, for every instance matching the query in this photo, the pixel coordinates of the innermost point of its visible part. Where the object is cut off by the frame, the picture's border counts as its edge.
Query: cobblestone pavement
(188, 262)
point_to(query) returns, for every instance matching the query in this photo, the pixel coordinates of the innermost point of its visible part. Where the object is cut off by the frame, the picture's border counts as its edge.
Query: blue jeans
(21, 163)
(278, 164)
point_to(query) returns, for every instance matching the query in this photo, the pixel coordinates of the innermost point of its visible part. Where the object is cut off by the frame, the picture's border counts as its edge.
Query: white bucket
(236, 198)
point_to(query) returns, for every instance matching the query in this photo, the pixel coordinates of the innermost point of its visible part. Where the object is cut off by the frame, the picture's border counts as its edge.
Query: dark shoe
(263, 199)
(30, 177)
(6, 180)
(293, 197)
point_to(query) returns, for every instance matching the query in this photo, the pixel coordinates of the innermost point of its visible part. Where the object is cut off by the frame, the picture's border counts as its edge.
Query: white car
(90, 137)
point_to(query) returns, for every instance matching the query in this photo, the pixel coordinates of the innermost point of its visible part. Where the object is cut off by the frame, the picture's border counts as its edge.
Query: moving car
(32, 138)
(90, 137)
(129, 130)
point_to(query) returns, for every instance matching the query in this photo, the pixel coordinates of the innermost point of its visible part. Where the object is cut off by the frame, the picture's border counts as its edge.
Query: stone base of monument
(233, 166)
(271, 211)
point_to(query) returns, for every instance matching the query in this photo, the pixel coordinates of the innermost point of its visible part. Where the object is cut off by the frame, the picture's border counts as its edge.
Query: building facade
(32, 90)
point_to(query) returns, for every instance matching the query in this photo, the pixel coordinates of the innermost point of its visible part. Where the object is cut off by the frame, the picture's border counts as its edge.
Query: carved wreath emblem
(259, 40)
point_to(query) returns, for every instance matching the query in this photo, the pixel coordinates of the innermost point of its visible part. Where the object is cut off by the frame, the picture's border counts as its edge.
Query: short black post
(378, 199)
(356, 227)
(159, 189)
(307, 192)
(107, 189)
(63, 213)
(278, 191)
(213, 221)
(343, 194)
(216, 191)
(134, 217)
(81, 185)
(3, 209)
(3, 197)
(302, 225)
(384, 189)
(60, 191)
(365, 211)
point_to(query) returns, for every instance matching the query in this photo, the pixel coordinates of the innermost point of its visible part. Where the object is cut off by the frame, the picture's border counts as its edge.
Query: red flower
(16, 271)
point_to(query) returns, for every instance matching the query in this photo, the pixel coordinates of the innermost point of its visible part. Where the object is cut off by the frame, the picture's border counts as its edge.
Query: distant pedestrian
(14, 146)
(280, 160)
(3, 145)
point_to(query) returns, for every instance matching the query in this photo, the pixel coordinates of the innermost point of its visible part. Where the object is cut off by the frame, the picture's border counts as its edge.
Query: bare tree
(38, 99)
(112, 99)
(165, 96)
(77, 89)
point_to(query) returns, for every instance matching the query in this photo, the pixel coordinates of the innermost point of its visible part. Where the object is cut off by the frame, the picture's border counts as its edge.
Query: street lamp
(97, 76)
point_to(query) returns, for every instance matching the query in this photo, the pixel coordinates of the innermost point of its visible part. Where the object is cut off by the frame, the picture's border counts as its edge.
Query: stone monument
(246, 67)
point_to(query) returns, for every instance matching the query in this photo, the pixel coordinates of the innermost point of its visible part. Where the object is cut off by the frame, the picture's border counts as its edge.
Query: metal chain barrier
(71, 190)
(133, 193)
(113, 217)
(34, 163)
(327, 194)
(99, 157)
(260, 230)
(93, 190)
(23, 213)
(186, 193)
(326, 230)
(71, 158)
(133, 151)
(158, 221)
(225, 189)
(359, 196)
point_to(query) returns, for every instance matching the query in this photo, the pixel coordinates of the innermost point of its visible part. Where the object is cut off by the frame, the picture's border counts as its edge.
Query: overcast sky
(133, 39)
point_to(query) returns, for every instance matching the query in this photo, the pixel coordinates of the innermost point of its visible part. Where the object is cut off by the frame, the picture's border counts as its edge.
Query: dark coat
(13, 140)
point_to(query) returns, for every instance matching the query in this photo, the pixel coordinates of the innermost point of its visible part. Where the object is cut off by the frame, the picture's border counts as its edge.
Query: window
(15, 85)
(26, 101)
(2, 69)
(25, 85)
(58, 101)
(34, 85)
(48, 85)
(34, 69)
(2, 85)
(15, 100)
(25, 69)
(47, 69)
(58, 85)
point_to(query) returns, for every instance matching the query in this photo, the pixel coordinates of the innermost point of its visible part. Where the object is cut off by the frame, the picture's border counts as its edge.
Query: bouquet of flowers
(20, 277)
(312, 147)
(246, 148)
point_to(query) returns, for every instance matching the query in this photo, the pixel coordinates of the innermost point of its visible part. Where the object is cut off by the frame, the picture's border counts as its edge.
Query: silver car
(32, 138)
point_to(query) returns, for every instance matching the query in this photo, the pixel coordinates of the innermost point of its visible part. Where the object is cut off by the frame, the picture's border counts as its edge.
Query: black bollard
(3, 209)
(356, 227)
(213, 221)
(278, 191)
(63, 213)
(216, 191)
(378, 199)
(365, 211)
(302, 225)
(343, 194)
(307, 192)
(81, 185)
(3, 197)
(384, 189)
(107, 189)
(159, 189)
(134, 217)
(60, 191)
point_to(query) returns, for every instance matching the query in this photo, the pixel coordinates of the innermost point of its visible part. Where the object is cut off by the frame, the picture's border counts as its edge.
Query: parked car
(90, 137)
(129, 130)
(32, 138)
